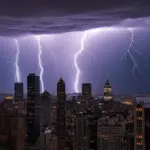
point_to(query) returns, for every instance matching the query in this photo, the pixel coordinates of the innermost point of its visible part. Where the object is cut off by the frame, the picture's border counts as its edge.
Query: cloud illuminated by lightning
(76, 63)
(40, 63)
(17, 69)
(52, 53)
(129, 52)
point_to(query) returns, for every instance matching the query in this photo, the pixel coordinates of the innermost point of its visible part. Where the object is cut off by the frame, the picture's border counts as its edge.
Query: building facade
(139, 126)
(80, 133)
(60, 121)
(33, 94)
(18, 92)
(46, 109)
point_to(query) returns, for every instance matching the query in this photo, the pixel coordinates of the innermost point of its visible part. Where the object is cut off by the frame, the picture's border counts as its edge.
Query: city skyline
(82, 42)
(74, 74)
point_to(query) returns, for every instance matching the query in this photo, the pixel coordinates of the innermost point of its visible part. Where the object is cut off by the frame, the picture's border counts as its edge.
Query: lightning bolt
(76, 61)
(129, 52)
(17, 69)
(40, 62)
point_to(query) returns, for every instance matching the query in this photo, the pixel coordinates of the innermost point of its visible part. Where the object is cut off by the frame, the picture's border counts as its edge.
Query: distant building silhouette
(19, 96)
(33, 95)
(87, 92)
(60, 123)
(107, 91)
(18, 92)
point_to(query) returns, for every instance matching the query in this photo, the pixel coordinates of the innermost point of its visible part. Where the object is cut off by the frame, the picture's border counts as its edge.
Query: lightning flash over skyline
(40, 62)
(129, 52)
(17, 69)
(76, 61)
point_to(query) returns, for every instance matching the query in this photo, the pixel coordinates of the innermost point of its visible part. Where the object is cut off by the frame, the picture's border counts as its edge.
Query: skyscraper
(60, 124)
(18, 92)
(33, 95)
(46, 109)
(87, 92)
(107, 91)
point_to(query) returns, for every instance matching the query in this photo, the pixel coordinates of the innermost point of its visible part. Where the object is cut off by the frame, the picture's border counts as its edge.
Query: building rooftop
(107, 83)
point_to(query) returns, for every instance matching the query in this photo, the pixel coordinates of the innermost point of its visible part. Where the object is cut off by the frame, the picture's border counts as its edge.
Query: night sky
(61, 25)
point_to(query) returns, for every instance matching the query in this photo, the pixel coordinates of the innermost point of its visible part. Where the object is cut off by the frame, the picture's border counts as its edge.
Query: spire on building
(107, 82)
(61, 81)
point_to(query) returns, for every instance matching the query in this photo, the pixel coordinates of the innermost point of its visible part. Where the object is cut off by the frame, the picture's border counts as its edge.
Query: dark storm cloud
(19, 17)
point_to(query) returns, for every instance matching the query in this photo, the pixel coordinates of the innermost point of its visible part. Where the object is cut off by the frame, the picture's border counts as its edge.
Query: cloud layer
(44, 17)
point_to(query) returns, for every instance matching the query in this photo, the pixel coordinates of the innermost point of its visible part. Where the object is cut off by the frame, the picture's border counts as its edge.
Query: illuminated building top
(107, 91)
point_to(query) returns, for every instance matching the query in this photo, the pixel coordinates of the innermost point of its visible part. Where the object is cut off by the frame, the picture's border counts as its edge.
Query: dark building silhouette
(87, 90)
(33, 96)
(46, 109)
(18, 92)
(107, 91)
(60, 123)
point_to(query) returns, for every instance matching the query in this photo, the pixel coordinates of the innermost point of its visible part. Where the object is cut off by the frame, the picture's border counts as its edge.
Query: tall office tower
(107, 91)
(46, 109)
(33, 96)
(18, 96)
(79, 138)
(18, 92)
(60, 123)
(139, 127)
(147, 126)
(87, 92)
